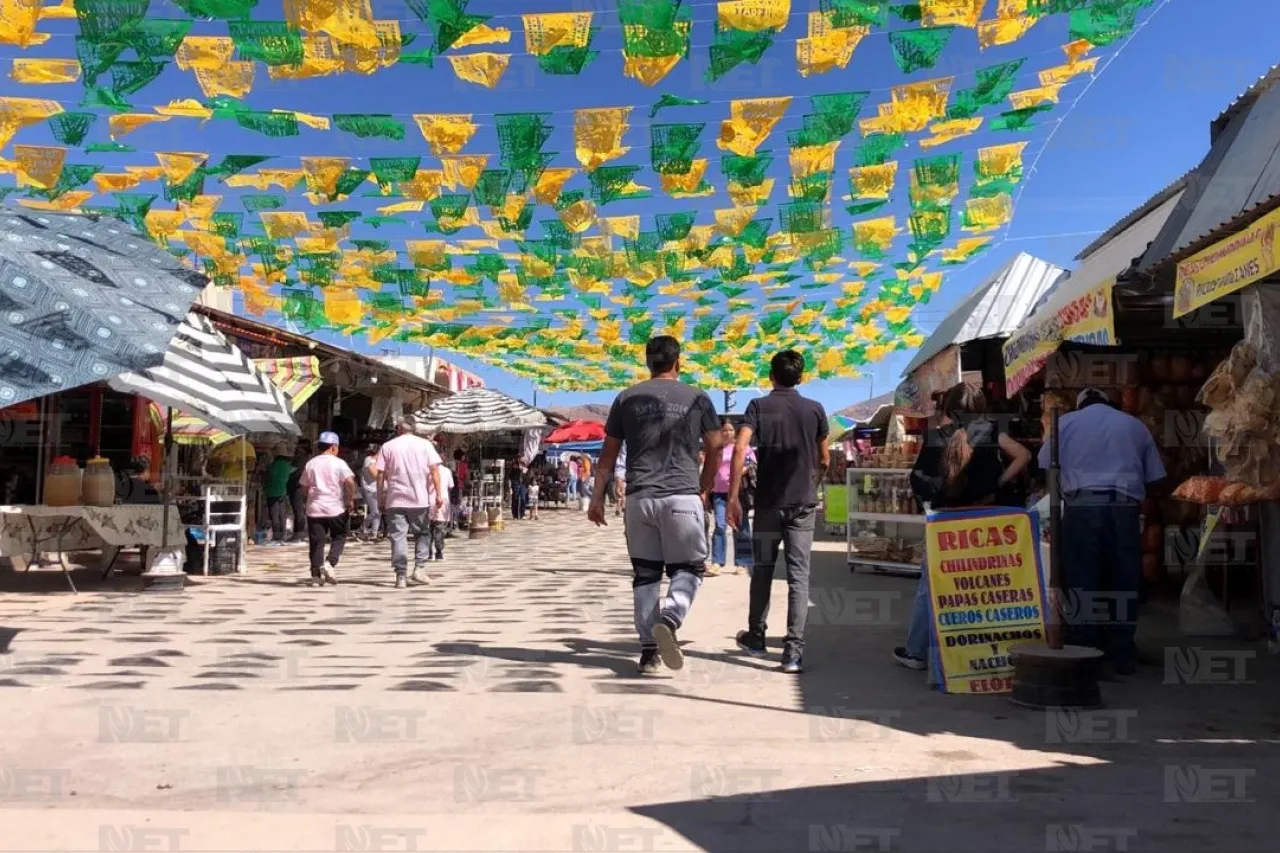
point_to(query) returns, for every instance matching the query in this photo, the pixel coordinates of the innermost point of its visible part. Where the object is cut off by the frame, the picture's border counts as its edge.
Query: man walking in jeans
(661, 422)
(792, 457)
(408, 471)
(329, 491)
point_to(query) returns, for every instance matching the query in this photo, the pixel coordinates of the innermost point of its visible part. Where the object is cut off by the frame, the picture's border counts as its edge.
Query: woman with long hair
(966, 461)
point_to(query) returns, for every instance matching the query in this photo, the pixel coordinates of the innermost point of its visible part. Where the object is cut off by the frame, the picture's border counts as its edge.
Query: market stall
(483, 420)
(88, 300)
(1143, 318)
(214, 384)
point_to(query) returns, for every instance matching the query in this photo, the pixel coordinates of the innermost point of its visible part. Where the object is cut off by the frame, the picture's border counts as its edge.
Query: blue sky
(1142, 122)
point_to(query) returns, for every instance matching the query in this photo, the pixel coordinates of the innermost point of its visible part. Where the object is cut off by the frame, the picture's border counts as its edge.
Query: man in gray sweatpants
(663, 423)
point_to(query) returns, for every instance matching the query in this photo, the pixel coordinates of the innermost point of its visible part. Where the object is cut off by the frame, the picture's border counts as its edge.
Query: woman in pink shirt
(742, 554)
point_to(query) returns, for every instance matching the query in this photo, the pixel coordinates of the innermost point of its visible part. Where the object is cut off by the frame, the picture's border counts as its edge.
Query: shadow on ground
(1179, 798)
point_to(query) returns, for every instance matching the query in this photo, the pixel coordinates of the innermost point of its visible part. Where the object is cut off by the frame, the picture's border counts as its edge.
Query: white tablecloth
(25, 530)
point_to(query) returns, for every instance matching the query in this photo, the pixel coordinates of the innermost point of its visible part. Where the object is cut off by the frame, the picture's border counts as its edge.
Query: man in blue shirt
(1108, 459)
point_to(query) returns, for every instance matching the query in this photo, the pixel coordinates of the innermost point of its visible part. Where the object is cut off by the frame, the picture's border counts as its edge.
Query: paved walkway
(497, 710)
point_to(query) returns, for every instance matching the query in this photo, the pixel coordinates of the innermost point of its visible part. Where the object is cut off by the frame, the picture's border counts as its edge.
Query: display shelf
(903, 568)
(887, 517)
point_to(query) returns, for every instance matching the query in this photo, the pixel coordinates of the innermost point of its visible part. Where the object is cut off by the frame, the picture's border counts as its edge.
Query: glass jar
(62, 483)
(98, 487)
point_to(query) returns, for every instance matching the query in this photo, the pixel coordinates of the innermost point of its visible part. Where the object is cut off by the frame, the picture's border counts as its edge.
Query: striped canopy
(206, 375)
(477, 410)
(298, 377)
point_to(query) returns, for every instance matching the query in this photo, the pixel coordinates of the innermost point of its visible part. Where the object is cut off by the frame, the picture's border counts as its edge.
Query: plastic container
(98, 486)
(62, 483)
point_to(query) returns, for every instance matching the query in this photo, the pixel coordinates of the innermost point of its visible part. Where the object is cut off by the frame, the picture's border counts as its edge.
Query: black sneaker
(668, 645)
(650, 664)
(752, 642)
(793, 665)
(909, 661)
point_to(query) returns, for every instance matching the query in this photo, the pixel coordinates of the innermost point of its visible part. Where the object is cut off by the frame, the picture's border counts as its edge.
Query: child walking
(533, 499)
(441, 514)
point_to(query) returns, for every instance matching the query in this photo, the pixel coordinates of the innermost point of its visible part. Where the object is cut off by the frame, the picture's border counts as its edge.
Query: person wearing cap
(408, 471)
(330, 488)
(1108, 459)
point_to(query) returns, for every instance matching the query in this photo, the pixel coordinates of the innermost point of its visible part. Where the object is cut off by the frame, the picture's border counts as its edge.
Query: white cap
(1091, 391)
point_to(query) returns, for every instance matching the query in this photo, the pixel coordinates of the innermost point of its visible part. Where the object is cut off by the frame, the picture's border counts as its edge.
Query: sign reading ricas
(986, 594)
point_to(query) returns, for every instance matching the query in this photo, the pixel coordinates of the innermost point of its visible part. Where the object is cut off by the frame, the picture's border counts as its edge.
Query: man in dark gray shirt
(663, 423)
(792, 457)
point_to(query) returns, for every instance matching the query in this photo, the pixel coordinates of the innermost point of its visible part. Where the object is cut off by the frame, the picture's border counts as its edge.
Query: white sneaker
(420, 576)
(329, 573)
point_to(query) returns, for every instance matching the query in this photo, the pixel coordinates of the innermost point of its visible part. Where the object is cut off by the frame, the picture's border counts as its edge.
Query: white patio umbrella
(477, 410)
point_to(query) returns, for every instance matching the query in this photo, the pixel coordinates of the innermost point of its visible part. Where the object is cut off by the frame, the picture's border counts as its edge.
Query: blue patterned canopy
(83, 300)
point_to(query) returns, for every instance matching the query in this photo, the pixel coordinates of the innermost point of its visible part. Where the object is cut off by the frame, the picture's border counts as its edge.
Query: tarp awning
(205, 374)
(1080, 308)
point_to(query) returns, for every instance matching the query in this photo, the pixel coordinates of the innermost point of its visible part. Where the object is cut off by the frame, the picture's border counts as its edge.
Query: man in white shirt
(408, 471)
(329, 485)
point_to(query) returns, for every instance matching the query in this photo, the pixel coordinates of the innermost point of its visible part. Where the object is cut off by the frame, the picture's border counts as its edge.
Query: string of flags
(553, 246)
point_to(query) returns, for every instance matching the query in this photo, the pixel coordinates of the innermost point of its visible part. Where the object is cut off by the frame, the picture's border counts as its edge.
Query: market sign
(986, 595)
(1227, 266)
(1086, 319)
(914, 397)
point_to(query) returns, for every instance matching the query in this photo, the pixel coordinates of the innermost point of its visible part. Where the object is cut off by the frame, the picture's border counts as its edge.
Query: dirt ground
(497, 710)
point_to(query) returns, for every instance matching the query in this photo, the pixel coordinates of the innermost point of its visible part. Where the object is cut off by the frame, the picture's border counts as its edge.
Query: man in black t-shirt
(792, 458)
(662, 422)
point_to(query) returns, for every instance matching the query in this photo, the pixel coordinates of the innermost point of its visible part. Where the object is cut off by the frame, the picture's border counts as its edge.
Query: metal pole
(166, 481)
(1053, 480)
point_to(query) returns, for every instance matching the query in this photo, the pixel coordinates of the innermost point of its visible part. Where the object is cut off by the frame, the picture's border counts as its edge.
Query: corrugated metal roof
(1239, 177)
(1246, 98)
(994, 309)
(1129, 219)
(1107, 261)
(866, 410)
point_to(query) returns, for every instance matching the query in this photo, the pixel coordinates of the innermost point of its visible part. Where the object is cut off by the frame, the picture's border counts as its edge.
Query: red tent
(576, 431)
